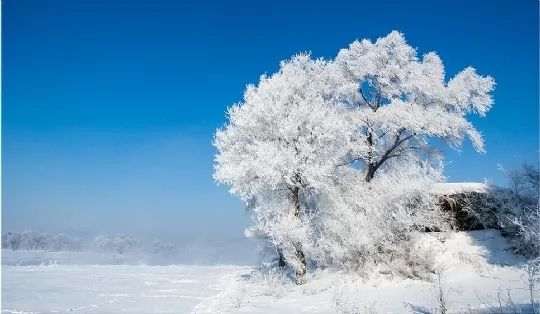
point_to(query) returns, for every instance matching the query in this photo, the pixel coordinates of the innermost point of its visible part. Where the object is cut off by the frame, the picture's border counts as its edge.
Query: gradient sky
(109, 107)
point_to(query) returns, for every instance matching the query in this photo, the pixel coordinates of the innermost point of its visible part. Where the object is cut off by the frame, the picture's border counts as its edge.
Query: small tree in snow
(119, 243)
(163, 248)
(524, 183)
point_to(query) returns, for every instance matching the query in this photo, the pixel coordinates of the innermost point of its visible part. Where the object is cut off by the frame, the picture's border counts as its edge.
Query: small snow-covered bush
(518, 219)
(274, 280)
(533, 279)
(525, 235)
(524, 184)
(514, 210)
(377, 225)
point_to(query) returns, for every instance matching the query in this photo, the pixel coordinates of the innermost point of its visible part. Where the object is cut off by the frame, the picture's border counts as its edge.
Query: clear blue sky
(109, 107)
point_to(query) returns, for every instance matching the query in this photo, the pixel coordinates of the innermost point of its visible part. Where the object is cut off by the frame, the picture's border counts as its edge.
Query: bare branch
(388, 154)
(365, 99)
(363, 96)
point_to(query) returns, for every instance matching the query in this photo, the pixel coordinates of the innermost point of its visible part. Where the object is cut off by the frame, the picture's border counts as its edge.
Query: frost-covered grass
(475, 269)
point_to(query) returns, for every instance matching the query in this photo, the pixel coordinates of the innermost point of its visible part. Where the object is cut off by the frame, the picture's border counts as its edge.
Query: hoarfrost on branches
(282, 142)
(333, 157)
(401, 100)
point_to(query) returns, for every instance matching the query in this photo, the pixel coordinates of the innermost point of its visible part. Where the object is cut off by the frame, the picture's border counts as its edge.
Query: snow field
(475, 268)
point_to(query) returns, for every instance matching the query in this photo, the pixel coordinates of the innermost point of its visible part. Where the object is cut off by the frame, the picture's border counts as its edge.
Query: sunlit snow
(475, 267)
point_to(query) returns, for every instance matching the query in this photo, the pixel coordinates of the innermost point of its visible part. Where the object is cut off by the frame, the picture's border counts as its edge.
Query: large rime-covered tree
(332, 156)
(282, 144)
(401, 100)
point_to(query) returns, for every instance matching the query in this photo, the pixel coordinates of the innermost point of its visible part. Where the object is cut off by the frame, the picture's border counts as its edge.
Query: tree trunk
(282, 262)
(371, 165)
(371, 172)
(299, 253)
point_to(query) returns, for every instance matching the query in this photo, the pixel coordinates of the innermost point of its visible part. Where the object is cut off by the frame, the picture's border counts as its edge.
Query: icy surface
(475, 266)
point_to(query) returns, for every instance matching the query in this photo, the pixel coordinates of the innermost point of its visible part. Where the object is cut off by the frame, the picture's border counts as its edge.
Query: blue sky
(109, 107)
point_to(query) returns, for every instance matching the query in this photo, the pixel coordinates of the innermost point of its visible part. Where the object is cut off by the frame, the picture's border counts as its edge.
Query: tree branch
(365, 99)
(388, 154)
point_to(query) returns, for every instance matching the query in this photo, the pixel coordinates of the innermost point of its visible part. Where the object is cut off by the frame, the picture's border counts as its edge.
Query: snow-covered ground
(449, 188)
(475, 268)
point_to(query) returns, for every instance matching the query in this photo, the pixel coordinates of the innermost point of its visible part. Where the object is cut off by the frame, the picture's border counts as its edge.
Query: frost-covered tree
(332, 157)
(62, 242)
(119, 243)
(282, 142)
(31, 240)
(401, 100)
(163, 248)
(524, 183)
(398, 102)
(11, 241)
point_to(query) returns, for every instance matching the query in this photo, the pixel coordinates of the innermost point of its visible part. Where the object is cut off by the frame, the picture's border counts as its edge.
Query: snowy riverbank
(475, 268)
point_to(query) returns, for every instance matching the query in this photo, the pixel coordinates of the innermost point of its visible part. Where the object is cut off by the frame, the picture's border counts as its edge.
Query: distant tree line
(31, 240)
(117, 244)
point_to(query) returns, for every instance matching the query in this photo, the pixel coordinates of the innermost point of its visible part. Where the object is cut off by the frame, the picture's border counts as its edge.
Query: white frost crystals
(333, 159)
(285, 128)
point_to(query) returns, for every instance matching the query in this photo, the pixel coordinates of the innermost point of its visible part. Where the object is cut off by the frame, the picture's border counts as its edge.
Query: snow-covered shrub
(513, 210)
(441, 294)
(525, 216)
(502, 302)
(533, 279)
(519, 222)
(527, 237)
(274, 280)
(377, 224)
